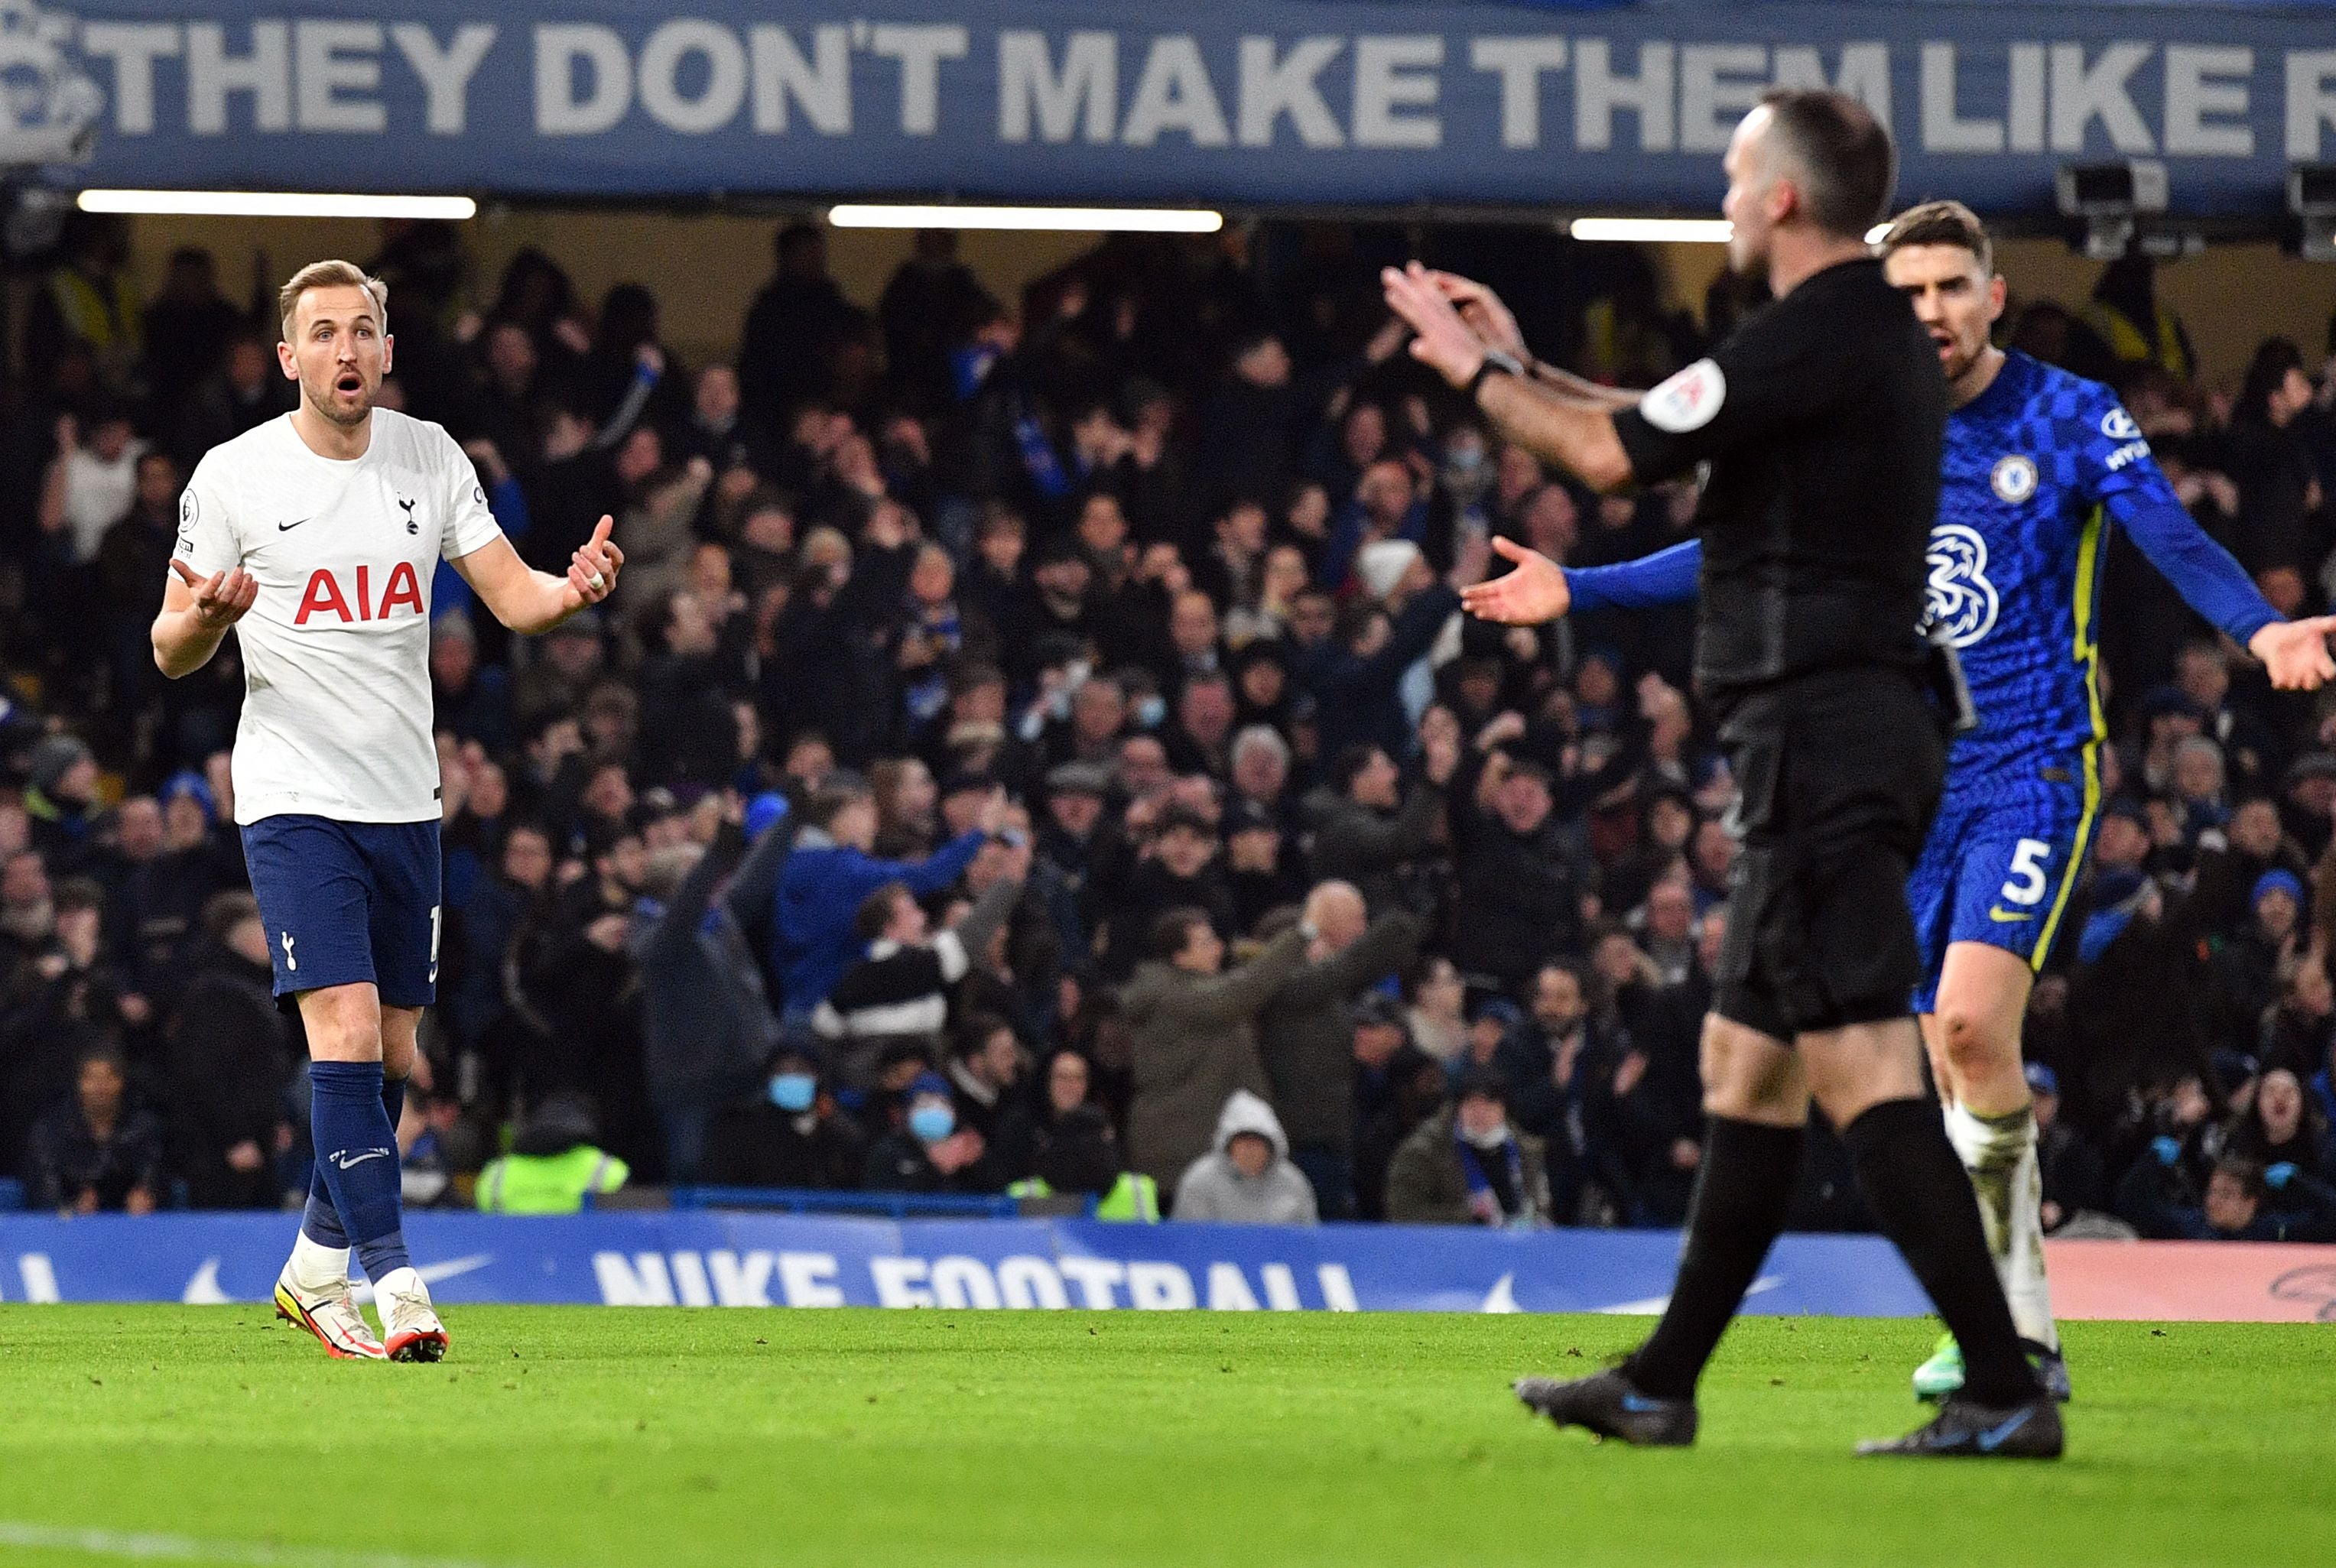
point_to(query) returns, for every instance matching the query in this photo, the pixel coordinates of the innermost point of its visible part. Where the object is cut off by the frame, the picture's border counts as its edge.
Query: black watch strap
(1497, 361)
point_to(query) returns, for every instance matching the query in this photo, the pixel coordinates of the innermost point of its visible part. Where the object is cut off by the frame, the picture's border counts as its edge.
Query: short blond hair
(331, 275)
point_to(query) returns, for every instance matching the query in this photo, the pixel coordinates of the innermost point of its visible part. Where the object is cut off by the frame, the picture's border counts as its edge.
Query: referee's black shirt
(1823, 419)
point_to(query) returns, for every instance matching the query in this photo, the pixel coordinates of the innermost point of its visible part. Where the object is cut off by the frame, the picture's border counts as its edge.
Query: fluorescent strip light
(1653, 230)
(1081, 219)
(1675, 231)
(276, 204)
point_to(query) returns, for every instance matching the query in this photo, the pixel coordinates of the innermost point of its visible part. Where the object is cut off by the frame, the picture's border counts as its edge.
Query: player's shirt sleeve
(1666, 576)
(1772, 372)
(470, 521)
(207, 540)
(2116, 469)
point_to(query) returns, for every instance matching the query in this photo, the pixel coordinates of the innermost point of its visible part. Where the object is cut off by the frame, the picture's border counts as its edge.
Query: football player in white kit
(316, 536)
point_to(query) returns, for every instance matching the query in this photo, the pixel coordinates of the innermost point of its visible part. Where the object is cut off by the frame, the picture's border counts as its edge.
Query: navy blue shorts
(1997, 868)
(345, 902)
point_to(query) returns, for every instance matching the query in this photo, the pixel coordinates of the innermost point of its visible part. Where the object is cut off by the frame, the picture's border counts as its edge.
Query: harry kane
(316, 536)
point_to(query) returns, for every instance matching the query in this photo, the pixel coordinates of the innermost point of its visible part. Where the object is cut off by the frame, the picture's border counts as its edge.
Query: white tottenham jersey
(336, 708)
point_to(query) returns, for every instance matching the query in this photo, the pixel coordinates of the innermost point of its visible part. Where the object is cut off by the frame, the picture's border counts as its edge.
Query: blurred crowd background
(1035, 749)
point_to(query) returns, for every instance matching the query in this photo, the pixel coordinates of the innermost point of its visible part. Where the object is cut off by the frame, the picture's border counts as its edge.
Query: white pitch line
(149, 1546)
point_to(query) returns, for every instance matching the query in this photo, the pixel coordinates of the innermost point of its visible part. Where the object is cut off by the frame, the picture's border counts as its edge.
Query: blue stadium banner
(716, 1258)
(1267, 103)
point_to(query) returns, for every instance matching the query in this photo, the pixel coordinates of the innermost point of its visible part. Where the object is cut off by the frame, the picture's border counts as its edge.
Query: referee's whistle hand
(1535, 592)
(2294, 652)
(1442, 341)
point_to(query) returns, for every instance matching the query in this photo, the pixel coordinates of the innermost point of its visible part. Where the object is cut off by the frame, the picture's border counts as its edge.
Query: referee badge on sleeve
(1688, 400)
(2014, 479)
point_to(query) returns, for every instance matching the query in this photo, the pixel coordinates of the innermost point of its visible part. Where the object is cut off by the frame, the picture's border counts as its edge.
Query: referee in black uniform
(1822, 421)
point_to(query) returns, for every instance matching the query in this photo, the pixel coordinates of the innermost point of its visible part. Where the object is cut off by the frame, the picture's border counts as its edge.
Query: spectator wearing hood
(789, 1133)
(60, 798)
(1246, 1177)
(832, 872)
(1465, 1165)
(1308, 1044)
(555, 1164)
(96, 1152)
(925, 1150)
(1196, 1039)
(227, 1058)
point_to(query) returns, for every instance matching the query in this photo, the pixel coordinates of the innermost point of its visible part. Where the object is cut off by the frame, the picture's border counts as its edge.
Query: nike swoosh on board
(289, 527)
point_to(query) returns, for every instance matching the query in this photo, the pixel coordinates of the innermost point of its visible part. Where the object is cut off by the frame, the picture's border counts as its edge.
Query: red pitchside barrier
(2193, 1282)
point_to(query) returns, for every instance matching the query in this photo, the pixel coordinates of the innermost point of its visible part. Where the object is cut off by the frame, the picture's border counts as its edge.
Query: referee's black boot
(1608, 1405)
(1965, 1429)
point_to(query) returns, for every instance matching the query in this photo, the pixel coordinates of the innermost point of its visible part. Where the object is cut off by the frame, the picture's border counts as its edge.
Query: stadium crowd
(1037, 741)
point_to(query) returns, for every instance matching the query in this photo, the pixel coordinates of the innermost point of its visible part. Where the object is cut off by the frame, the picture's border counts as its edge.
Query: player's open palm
(1535, 592)
(221, 599)
(2295, 652)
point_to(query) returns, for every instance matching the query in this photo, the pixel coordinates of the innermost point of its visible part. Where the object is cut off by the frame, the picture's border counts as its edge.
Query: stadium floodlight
(2311, 198)
(1653, 230)
(276, 204)
(1077, 219)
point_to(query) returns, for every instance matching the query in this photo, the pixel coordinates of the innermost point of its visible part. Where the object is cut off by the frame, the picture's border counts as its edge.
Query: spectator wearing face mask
(926, 1151)
(1465, 1165)
(788, 1134)
(1246, 1178)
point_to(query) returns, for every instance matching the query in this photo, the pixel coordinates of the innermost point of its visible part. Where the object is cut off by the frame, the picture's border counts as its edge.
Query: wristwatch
(1497, 361)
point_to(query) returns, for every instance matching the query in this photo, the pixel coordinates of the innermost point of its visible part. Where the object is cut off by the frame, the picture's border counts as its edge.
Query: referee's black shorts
(1840, 772)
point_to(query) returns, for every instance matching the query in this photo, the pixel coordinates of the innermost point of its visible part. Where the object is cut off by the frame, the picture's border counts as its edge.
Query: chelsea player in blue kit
(2037, 464)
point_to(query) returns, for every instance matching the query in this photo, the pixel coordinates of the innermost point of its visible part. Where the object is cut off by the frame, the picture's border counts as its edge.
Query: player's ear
(1998, 291)
(287, 360)
(388, 351)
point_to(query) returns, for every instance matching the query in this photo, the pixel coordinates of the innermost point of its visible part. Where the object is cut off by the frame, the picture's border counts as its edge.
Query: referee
(1822, 421)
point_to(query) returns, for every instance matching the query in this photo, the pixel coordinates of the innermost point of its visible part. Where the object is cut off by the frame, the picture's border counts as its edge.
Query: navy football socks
(320, 1222)
(356, 1156)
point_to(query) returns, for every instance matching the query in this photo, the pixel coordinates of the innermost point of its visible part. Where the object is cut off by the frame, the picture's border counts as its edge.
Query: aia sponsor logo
(350, 599)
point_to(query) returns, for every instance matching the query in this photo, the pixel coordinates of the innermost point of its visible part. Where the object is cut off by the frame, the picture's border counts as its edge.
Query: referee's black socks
(1923, 1199)
(1742, 1191)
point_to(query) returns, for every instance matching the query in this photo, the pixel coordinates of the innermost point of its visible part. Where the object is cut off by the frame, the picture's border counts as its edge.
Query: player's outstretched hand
(2295, 652)
(221, 597)
(1482, 312)
(592, 571)
(1535, 592)
(1444, 342)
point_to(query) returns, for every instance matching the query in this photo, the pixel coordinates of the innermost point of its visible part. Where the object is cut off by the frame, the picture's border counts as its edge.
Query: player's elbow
(1606, 467)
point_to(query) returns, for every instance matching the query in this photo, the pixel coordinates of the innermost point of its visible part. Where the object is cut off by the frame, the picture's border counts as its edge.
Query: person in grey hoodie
(706, 1020)
(1247, 1179)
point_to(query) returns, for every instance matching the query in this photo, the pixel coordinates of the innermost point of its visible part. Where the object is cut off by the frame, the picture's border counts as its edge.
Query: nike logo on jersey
(346, 1160)
(289, 527)
(2006, 918)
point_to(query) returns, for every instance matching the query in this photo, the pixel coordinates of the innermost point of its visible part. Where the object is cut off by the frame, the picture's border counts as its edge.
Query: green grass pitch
(578, 1435)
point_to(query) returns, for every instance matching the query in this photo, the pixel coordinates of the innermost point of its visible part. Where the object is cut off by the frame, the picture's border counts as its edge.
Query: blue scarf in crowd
(1482, 1200)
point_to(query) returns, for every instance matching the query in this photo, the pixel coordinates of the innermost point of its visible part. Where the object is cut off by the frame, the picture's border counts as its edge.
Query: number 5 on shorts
(2026, 882)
